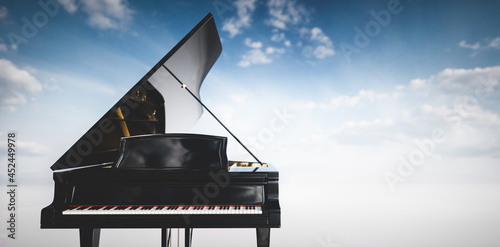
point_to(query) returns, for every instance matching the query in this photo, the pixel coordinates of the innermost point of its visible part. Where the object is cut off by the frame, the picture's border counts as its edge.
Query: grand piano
(136, 168)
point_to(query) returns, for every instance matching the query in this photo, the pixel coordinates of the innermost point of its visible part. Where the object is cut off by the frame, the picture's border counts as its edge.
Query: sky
(384, 111)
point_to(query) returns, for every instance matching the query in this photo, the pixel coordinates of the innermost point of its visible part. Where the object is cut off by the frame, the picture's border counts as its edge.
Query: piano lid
(156, 104)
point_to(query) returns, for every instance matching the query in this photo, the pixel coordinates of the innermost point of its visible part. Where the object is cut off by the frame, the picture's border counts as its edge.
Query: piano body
(132, 170)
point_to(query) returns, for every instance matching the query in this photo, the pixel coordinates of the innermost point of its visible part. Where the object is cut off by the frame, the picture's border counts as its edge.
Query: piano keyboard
(163, 209)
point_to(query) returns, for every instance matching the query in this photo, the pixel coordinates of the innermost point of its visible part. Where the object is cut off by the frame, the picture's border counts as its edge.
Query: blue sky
(390, 100)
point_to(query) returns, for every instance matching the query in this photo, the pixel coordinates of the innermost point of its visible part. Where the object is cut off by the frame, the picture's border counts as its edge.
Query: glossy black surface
(173, 151)
(157, 194)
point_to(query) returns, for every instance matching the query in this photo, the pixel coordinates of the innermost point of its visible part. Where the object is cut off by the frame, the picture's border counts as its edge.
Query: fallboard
(160, 194)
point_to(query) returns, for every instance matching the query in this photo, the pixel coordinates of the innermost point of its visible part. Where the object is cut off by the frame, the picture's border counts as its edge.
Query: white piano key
(163, 210)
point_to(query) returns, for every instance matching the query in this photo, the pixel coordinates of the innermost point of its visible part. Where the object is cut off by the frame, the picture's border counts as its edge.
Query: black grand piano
(134, 168)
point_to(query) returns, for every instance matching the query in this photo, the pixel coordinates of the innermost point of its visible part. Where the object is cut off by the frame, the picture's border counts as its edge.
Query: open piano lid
(156, 104)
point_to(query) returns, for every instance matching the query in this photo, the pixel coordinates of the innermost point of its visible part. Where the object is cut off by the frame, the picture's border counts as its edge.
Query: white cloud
(273, 50)
(375, 132)
(69, 5)
(343, 101)
(495, 43)
(464, 44)
(318, 35)
(320, 45)
(17, 85)
(245, 9)
(349, 101)
(257, 54)
(462, 80)
(254, 56)
(102, 14)
(471, 130)
(286, 12)
(254, 45)
(322, 52)
(3, 47)
(419, 83)
(456, 101)
(4, 12)
(366, 124)
(280, 37)
(459, 102)
(476, 47)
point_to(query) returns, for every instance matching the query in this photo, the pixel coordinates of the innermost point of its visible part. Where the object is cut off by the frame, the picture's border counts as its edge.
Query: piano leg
(89, 237)
(165, 237)
(187, 237)
(263, 237)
